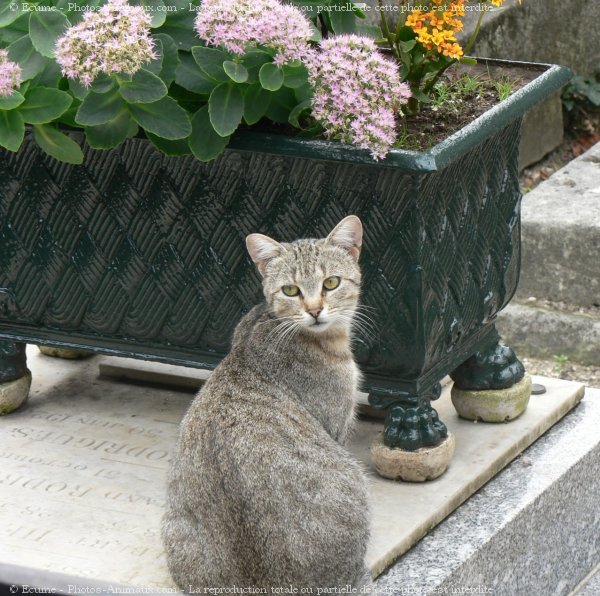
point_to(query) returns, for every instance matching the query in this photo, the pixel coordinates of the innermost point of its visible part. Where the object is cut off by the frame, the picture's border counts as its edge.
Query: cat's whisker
(363, 327)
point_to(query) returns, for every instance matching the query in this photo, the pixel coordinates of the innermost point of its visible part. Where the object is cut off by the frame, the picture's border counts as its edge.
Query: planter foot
(15, 378)
(493, 405)
(13, 394)
(415, 445)
(64, 352)
(423, 464)
(491, 385)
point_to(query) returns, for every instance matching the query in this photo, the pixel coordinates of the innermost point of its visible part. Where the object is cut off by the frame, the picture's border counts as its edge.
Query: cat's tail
(184, 548)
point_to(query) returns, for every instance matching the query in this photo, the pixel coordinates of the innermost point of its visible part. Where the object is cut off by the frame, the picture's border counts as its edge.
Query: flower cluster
(114, 39)
(357, 93)
(237, 25)
(436, 29)
(10, 75)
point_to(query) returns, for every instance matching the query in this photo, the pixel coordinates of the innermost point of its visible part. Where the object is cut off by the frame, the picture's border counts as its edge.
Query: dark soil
(469, 92)
(435, 123)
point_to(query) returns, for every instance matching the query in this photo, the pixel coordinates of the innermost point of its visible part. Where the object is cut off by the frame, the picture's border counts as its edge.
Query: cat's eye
(331, 283)
(290, 290)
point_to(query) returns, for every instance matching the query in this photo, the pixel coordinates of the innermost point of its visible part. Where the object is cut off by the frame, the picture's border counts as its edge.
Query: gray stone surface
(542, 333)
(542, 130)
(533, 529)
(551, 31)
(561, 235)
(591, 586)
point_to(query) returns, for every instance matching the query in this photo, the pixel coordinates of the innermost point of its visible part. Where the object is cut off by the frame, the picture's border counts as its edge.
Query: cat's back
(257, 468)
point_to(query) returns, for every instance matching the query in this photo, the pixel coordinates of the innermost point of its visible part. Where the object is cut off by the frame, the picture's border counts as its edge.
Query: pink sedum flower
(237, 25)
(357, 93)
(114, 39)
(10, 75)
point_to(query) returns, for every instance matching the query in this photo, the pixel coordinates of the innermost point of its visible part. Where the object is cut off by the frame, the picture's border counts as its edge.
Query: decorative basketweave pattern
(138, 246)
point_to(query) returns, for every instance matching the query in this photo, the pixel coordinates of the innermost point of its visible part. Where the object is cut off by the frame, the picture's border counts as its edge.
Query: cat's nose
(314, 312)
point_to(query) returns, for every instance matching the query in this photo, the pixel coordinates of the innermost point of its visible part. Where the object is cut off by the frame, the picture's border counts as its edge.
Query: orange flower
(436, 30)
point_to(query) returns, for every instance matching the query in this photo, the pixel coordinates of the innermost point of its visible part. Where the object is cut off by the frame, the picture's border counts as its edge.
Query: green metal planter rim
(552, 78)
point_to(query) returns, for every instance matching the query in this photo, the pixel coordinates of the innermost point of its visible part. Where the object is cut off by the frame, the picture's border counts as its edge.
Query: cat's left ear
(262, 249)
(348, 235)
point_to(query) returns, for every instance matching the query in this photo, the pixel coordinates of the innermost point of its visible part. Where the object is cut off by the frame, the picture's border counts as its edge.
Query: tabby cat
(261, 491)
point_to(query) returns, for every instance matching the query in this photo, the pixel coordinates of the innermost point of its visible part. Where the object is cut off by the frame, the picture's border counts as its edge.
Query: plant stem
(401, 18)
(437, 76)
(386, 29)
(475, 33)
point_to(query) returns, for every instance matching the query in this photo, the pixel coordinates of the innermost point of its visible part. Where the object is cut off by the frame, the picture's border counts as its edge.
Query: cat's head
(313, 283)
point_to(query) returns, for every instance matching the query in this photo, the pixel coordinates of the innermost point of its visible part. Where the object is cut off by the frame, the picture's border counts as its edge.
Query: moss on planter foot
(64, 352)
(14, 393)
(493, 405)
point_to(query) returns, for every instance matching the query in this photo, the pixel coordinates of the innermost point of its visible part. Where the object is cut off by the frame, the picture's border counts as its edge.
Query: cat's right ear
(262, 249)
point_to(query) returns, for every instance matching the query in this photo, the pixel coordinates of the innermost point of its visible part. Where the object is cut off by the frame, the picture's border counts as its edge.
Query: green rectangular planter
(142, 255)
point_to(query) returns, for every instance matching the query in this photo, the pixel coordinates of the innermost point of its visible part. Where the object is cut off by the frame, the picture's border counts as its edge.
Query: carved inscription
(82, 477)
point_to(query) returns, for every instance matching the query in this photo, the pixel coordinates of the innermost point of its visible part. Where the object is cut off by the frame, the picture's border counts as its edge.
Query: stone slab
(561, 235)
(590, 585)
(543, 333)
(533, 529)
(84, 464)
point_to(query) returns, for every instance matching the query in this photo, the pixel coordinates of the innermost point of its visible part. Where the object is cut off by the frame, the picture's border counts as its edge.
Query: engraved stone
(83, 470)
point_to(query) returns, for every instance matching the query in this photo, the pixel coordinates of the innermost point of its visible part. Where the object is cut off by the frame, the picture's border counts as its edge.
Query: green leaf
(10, 12)
(45, 27)
(295, 114)
(50, 76)
(342, 21)
(235, 71)
(189, 76)
(407, 46)
(225, 107)
(77, 89)
(170, 58)
(210, 62)
(68, 117)
(103, 84)
(156, 9)
(111, 133)
(593, 97)
(304, 92)
(270, 76)
(155, 65)
(12, 101)
(282, 103)
(256, 102)
(144, 87)
(44, 105)
(179, 26)
(174, 148)
(204, 141)
(57, 145)
(316, 36)
(369, 30)
(295, 76)
(255, 59)
(30, 61)
(164, 118)
(12, 130)
(406, 34)
(98, 108)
